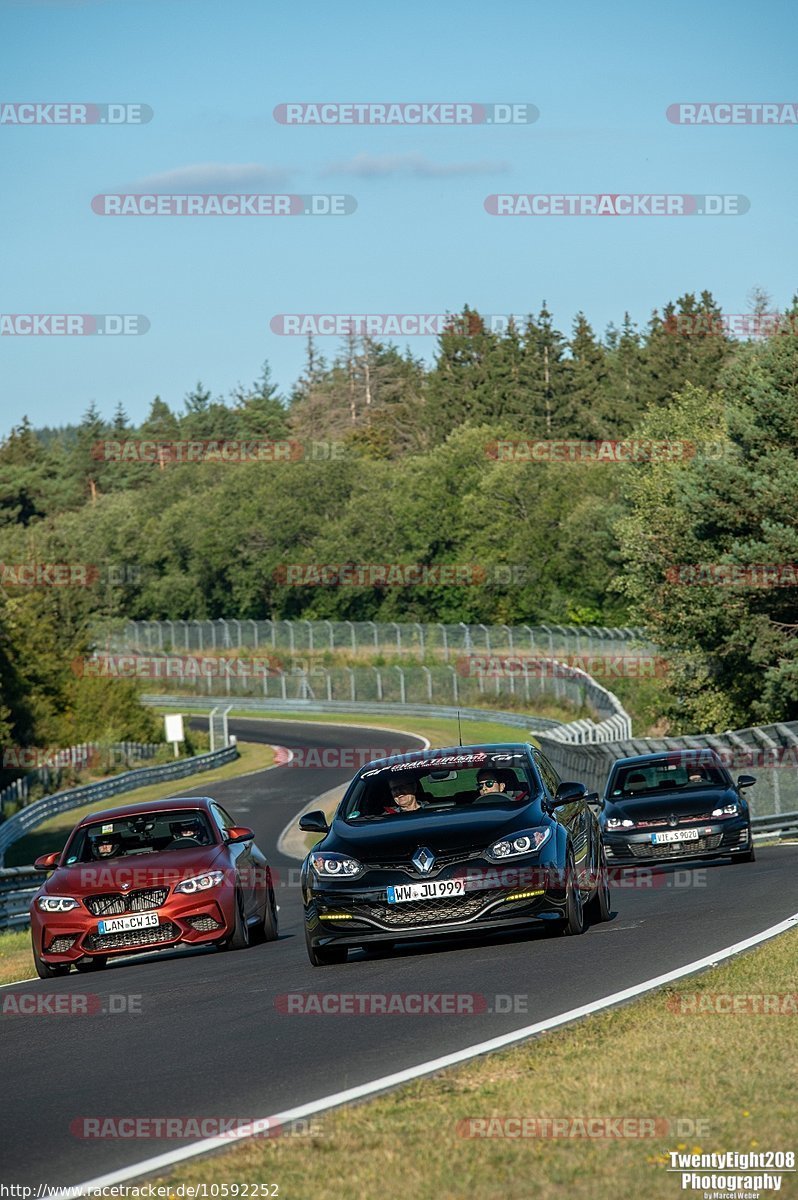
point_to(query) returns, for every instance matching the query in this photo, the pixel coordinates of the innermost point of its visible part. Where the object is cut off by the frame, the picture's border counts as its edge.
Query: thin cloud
(376, 166)
(213, 177)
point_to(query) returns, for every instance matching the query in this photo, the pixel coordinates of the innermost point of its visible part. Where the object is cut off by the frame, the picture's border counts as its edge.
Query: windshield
(145, 833)
(391, 793)
(666, 776)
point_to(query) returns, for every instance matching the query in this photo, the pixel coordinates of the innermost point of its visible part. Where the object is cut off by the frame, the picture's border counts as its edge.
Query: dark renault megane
(453, 841)
(675, 805)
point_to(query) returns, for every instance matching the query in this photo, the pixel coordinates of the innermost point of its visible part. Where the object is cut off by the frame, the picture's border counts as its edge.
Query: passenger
(489, 783)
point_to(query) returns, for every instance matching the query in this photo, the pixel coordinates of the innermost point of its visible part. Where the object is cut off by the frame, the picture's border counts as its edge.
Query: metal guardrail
(19, 884)
(49, 773)
(31, 816)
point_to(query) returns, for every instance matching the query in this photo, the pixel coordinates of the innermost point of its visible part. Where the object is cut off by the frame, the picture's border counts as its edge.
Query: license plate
(122, 924)
(425, 891)
(675, 835)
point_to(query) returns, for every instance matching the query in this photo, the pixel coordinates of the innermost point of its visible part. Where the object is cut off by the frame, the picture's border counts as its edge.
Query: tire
(239, 939)
(266, 930)
(91, 964)
(575, 910)
(49, 970)
(749, 856)
(598, 907)
(324, 956)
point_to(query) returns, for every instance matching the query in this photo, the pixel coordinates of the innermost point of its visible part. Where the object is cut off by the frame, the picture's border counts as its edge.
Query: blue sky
(420, 241)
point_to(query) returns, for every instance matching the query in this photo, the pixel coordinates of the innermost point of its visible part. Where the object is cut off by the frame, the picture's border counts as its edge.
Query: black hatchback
(675, 805)
(454, 841)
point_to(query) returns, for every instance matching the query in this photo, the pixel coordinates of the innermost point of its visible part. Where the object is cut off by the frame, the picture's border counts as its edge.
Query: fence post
(455, 689)
(402, 692)
(428, 675)
(379, 682)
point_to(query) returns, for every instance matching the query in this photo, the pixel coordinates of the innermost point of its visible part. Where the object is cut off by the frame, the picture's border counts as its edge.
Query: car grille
(430, 912)
(203, 923)
(132, 938)
(441, 861)
(647, 850)
(60, 945)
(115, 904)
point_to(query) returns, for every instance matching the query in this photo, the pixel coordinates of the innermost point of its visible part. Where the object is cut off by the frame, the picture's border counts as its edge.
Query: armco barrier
(31, 816)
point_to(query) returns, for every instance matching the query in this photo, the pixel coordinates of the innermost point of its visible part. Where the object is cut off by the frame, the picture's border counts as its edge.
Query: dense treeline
(396, 467)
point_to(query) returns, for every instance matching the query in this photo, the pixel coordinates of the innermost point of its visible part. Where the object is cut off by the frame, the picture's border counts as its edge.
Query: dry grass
(731, 1077)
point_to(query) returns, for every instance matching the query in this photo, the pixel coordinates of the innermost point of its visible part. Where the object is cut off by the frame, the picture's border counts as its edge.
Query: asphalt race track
(210, 1040)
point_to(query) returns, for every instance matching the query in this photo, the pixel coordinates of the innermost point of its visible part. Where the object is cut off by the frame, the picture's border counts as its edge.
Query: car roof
(132, 810)
(432, 754)
(693, 753)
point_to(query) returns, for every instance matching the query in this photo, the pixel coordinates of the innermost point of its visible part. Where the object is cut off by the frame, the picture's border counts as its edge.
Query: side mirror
(746, 781)
(569, 793)
(314, 822)
(238, 833)
(47, 862)
(592, 798)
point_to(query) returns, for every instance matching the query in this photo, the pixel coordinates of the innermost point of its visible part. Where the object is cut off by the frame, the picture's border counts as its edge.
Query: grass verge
(15, 956)
(53, 833)
(712, 1082)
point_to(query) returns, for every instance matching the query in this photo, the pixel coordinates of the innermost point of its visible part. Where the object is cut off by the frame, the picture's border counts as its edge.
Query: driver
(404, 793)
(190, 828)
(105, 845)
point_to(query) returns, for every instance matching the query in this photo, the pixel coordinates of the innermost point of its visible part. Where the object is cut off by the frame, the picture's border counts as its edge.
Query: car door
(575, 817)
(240, 857)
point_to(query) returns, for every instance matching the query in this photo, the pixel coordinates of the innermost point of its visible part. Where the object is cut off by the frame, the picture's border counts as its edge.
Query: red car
(145, 876)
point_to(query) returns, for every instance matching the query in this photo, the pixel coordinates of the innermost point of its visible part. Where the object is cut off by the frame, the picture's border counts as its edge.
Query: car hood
(696, 803)
(458, 830)
(135, 871)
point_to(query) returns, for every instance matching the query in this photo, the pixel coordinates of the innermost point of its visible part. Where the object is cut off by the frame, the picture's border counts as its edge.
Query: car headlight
(620, 823)
(335, 866)
(728, 810)
(57, 903)
(200, 883)
(528, 841)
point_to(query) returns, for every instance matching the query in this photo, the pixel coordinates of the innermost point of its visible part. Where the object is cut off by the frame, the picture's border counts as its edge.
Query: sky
(420, 240)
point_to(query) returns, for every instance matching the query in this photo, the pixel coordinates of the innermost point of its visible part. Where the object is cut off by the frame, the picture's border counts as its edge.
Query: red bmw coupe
(148, 876)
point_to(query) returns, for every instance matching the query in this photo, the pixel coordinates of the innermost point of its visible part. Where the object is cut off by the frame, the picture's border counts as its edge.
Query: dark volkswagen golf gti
(675, 805)
(453, 841)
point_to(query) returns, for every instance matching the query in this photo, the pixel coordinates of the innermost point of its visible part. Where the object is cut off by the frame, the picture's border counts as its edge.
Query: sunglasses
(487, 783)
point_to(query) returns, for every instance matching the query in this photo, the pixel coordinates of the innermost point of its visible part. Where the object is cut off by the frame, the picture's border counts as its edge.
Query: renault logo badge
(423, 860)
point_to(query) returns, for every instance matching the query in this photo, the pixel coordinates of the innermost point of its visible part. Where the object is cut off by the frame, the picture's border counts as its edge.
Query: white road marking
(161, 1162)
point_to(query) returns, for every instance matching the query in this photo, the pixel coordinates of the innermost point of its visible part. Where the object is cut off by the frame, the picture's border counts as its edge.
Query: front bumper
(348, 915)
(190, 920)
(716, 839)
